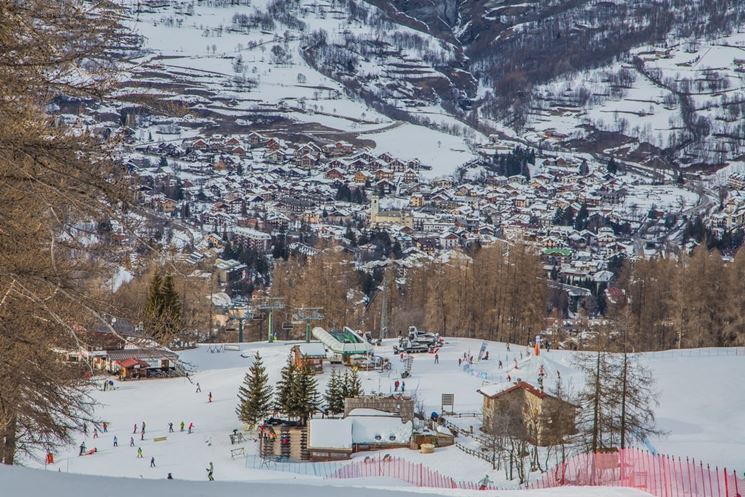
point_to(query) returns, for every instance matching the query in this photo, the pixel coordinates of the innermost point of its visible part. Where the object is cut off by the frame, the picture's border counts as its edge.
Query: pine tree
(154, 304)
(163, 309)
(333, 396)
(284, 398)
(255, 395)
(354, 389)
(305, 400)
(344, 390)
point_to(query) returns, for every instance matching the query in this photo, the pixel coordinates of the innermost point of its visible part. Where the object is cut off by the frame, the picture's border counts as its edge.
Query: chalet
(309, 355)
(410, 176)
(274, 156)
(362, 177)
(274, 144)
(200, 144)
(239, 151)
(397, 166)
(385, 186)
(307, 161)
(384, 174)
(334, 174)
(527, 412)
(385, 157)
(416, 200)
(309, 148)
(254, 139)
(167, 205)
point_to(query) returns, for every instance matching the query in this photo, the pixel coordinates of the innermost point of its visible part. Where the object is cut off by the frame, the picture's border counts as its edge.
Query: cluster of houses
(122, 349)
(259, 191)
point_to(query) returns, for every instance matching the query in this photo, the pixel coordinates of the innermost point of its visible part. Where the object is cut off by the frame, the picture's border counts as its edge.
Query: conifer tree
(255, 395)
(354, 389)
(333, 395)
(305, 399)
(285, 394)
(163, 309)
(345, 386)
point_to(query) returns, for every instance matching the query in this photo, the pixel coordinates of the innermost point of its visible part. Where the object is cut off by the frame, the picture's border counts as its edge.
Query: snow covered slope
(700, 406)
(16, 481)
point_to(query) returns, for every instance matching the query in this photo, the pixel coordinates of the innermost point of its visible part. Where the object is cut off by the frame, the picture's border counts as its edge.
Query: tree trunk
(9, 440)
(624, 386)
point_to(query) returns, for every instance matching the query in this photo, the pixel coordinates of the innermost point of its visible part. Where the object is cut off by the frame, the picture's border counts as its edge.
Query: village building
(309, 355)
(527, 412)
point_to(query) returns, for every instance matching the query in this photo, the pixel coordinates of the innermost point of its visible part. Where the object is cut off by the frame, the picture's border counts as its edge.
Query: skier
(199, 389)
(85, 428)
(182, 426)
(169, 477)
(437, 359)
(95, 433)
(142, 436)
(139, 452)
(209, 397)
(191, 425)
(460, 362)
(116, 441)
(82, 448)
(105, 426)
(395, 385)
(143, 427)
(170, 427)
(152, 462)
(500, 365)
(508, 347)
(131, 441)
(484, 482)
(135, 429)
(210, 470)
(403, 386)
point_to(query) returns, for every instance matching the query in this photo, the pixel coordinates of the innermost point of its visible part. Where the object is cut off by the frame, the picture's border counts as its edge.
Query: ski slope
(17, 481)
(701, 408)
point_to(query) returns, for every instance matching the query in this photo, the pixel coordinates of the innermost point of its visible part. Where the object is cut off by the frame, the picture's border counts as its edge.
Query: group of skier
(104, 428)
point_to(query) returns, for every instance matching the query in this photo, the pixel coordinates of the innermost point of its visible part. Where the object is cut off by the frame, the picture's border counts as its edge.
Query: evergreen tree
(154, 304)
(284, 398)
(612, 167)
(580, 222)
(255, 395)
(305, 399)
(169, 322)
(333, 396)
(345, 385)
(354, 388)
(163, 309)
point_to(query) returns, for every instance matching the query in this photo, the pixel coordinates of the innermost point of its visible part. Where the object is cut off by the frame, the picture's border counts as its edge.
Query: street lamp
(239, 313)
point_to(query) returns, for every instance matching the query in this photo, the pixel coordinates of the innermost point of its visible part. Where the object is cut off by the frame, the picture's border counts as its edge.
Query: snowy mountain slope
(698, 407)
(17, 481)
(240, 66)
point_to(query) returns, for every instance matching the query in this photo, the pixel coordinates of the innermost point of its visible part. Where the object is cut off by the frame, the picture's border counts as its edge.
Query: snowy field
(18, 481)
(700, 408)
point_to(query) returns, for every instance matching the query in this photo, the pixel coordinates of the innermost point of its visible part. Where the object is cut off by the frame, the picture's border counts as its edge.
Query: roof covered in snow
(330, 433)
(313, 349)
